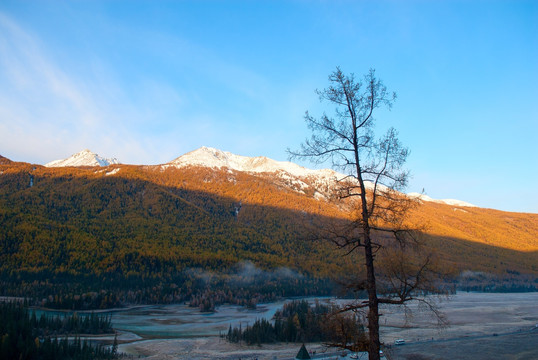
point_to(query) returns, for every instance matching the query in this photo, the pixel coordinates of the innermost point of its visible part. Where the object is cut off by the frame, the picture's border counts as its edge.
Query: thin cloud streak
(59, 112)
(51, 111)
(40, 100)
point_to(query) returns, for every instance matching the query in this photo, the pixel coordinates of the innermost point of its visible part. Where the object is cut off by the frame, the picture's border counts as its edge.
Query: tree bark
(373, 302)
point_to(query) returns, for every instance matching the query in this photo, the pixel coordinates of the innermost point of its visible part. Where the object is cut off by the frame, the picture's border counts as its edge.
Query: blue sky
(146, 81)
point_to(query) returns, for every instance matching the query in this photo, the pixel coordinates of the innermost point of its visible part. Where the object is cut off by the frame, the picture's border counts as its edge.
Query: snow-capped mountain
(210, 157)
(286, 173)
(83, 158)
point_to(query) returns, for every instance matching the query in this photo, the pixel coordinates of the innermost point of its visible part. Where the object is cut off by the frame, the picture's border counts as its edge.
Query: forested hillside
(141, 221)
(101, 236)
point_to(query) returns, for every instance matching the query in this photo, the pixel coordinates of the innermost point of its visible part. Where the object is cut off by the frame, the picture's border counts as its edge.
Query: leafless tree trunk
(373, 174)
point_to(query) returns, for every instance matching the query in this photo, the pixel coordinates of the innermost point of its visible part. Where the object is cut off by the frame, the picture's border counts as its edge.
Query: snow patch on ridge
(452, 202)
(83, 158)
(112, 172)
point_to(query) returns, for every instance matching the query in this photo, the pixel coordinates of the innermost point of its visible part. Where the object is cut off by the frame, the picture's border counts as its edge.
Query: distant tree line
(24, 337)
(300, 321)
(484, 282)
(63, 291)
(72, 323)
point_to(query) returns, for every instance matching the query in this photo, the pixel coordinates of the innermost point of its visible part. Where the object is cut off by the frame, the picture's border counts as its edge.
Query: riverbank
(211, 348)
(473, 319)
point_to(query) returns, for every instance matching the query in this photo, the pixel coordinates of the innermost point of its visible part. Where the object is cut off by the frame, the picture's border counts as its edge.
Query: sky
(147, 81)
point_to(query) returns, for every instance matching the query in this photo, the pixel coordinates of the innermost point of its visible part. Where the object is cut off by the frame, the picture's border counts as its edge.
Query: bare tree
(374, 174)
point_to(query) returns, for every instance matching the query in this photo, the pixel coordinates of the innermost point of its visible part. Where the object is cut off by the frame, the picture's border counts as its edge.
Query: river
(182, 321)
(182, 332)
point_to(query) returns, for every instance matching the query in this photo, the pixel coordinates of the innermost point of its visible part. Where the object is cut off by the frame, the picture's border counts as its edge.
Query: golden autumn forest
(81, 237)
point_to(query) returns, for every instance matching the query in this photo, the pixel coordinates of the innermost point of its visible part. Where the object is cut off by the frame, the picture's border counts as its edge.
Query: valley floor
(514, 346)
(481, 326)
(211, 348)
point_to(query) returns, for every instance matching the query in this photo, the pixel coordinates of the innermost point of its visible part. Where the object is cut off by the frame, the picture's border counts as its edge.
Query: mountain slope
(155, 223)
(83, 158)
(138, 208)
(295, 175)
(4, 160)
(289, 173)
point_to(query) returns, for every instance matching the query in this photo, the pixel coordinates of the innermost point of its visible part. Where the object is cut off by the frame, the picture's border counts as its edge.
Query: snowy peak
(83, 158)
(203, 156)
(214, 158)
(283, 173)
(210, 157)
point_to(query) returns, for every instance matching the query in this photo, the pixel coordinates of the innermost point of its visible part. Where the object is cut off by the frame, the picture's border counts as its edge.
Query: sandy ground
(519, 346)
(211, 348)
(467, 314)
(480, 326)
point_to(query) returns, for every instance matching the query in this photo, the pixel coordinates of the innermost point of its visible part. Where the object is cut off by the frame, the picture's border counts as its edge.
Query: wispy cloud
(48, 110)
(41, 105)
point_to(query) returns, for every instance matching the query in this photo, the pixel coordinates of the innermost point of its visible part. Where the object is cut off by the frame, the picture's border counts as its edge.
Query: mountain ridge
(127, 223)
(83, 158)
(215, 158)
